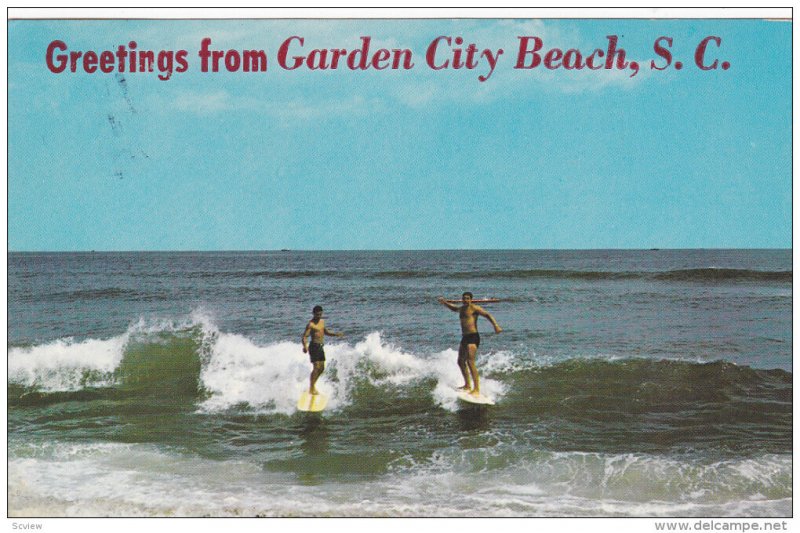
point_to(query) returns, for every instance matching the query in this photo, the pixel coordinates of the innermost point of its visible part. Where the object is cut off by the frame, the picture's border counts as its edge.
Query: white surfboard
(465, 396)
(312, 403)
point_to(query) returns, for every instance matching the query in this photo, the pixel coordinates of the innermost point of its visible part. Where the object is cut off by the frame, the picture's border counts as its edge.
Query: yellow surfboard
(312, 403)
(465, 396)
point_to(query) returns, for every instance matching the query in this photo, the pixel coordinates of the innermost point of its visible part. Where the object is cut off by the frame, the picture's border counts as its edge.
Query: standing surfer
(315, 349)
(470, 339)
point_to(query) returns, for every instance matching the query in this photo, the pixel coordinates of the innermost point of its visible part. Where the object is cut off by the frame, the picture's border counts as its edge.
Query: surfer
(468, 313)
(317, 330)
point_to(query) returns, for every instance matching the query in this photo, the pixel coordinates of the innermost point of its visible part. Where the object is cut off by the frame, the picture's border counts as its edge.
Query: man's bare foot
(313, 392)
(465, 388)
(475, 392)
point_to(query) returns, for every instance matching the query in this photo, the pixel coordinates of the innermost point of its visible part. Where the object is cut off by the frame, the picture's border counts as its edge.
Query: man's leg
(316, 372)
(473, 370)
(462, 365)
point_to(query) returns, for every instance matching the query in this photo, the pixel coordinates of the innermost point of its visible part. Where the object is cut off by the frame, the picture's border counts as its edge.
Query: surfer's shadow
(314, 435)
(471, 418)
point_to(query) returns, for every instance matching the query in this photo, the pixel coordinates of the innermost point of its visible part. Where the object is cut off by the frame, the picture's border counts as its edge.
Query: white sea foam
(62, 365)
(239, 371)
(449, 378)
(266, 377)
(270, 378)
(112, 479)
(69, 365)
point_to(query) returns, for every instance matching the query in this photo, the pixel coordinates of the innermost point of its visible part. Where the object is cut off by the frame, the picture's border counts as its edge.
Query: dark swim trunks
(466, 340)
(471, 338)
(315, 352)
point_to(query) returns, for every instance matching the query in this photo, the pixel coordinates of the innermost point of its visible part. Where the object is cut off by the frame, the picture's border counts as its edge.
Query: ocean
(646, 383)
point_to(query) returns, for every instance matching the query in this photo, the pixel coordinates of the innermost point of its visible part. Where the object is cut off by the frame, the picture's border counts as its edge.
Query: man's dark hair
(467, 294)
(317, 308)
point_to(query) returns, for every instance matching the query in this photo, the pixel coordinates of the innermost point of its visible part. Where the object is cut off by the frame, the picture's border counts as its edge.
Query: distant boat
(284, 249)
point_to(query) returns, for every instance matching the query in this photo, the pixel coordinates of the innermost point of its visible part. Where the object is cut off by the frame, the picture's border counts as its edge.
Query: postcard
(441, 265)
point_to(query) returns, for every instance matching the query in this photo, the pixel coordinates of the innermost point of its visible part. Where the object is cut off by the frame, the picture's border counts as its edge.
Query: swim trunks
(315, 352)
(471, 338)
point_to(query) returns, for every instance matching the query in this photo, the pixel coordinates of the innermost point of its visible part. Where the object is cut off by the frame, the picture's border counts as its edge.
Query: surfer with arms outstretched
(468, 313)
(315, 349)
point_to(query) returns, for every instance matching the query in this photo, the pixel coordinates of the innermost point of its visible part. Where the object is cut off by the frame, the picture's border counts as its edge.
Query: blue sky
(416, 159)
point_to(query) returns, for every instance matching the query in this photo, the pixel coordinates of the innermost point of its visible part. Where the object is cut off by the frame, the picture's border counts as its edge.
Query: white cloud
(285, 112)
(204, 103)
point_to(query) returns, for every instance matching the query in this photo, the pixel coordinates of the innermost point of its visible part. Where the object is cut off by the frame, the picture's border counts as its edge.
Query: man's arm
(306, 333)
(332, 333)
(481, 311)
(447, 304)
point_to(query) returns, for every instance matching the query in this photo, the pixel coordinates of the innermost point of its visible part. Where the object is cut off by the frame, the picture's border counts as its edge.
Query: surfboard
(465, 396)
(479, 301)
(312, 403)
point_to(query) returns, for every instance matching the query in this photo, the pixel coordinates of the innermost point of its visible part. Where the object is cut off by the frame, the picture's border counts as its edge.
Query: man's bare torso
(469, 319)
(317, 331)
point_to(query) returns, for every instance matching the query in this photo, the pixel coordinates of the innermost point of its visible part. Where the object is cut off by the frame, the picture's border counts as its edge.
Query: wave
(724, 274)
(122, 479)
(190, 360)
(107, 293)
(698, 274)
(506, 274)
(159, 357)
(277, 274)
(679, 275)
(94, 294)
(65, 365)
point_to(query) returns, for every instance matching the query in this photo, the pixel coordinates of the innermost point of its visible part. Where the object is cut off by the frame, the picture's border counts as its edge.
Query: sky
(418, 158)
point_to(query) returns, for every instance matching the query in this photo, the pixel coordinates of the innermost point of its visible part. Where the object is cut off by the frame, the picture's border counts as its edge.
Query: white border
(781, 13)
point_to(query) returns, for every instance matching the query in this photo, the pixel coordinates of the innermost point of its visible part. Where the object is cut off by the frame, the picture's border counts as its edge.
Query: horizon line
(284, 250)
